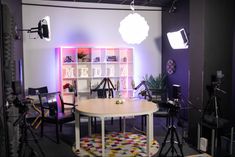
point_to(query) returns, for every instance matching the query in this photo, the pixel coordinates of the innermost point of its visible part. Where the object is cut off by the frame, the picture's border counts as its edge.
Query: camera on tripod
(174, 104)
(21, 104)
(172, 135)
(216, 81)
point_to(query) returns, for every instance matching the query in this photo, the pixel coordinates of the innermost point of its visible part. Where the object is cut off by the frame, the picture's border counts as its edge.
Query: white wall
(88, 28)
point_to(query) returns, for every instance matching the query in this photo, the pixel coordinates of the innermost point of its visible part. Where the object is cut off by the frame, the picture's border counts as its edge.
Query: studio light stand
(25, 149)
(172, 133)
(174, 107)
(212, 105)
(211, 118)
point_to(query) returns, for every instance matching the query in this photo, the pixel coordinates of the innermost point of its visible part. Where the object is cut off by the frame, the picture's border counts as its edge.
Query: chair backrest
(104, 93)
(104, 89)
(49, 101)
(144, 91)
(36, 91)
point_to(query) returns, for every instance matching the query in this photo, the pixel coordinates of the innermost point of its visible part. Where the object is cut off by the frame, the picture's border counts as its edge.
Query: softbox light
(43, 29)
(178, 39)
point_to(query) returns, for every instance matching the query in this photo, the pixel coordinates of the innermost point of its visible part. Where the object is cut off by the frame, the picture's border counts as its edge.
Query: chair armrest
(69, 104)
(51, 93)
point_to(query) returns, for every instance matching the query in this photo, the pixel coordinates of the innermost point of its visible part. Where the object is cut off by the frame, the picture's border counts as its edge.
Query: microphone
(118, 85)
(133, 84)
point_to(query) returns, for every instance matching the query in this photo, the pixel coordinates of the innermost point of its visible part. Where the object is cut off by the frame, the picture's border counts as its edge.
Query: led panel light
(178, 39)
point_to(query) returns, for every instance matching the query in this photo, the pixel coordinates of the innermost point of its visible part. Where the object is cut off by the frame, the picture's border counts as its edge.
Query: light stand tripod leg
(164, 142)
(172, 141)
(171, 148)
(173, 132)
(179, 143)
(36, 141)
(22, 146)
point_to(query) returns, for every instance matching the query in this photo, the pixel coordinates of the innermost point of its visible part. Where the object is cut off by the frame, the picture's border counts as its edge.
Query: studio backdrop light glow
(133, 28)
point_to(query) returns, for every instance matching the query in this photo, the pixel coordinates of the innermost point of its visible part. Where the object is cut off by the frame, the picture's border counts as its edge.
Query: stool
(214, 133)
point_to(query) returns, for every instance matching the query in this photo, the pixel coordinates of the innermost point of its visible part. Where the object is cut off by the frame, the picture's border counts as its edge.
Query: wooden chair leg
(112, 120)
(95, 124)
(42, 123)
(142, 122)
(120, 123)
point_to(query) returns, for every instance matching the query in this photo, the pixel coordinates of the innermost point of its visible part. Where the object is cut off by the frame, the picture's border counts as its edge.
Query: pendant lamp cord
(132, 6)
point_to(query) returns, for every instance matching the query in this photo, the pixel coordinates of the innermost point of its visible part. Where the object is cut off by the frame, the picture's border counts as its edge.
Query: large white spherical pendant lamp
(133, 28)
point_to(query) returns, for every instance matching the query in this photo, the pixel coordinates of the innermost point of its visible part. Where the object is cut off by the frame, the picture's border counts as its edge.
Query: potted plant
(156, 84)
(68, 87)
(81, 56)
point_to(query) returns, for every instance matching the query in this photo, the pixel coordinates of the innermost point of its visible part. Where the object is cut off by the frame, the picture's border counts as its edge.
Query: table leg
(151, 128)
(77, 130)
(103, 136)
(149, 132)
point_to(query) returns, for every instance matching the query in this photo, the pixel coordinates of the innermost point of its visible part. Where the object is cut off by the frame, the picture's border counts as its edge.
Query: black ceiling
(152, 3)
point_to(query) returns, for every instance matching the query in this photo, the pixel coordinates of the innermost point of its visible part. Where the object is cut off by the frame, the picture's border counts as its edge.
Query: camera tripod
(173, 134)
(211, 110)
(25, 149)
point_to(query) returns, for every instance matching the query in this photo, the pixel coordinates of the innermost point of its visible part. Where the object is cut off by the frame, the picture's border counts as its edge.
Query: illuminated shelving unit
(97, 63)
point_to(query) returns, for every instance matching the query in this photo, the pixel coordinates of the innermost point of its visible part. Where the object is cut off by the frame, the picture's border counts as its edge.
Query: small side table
(214, 134)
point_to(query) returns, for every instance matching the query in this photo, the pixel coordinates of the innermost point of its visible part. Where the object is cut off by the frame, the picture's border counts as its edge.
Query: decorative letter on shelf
(69, 72)
(83, 72)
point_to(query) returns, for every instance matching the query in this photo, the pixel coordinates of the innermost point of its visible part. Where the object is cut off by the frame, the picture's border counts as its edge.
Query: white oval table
(103, 108)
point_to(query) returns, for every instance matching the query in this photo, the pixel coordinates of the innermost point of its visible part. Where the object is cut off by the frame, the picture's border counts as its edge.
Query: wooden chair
(36, 91)
(57, 115)
(33, 95)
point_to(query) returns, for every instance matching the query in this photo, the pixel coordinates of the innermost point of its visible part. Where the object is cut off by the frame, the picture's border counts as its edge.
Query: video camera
(18, 102)
(174, 104)
(22, 104)
(216, 81)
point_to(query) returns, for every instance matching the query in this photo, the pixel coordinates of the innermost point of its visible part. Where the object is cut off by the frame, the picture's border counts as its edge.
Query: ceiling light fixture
(133, 28)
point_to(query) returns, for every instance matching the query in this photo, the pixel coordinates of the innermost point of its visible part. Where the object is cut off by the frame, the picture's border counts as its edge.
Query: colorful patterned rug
(116, 145)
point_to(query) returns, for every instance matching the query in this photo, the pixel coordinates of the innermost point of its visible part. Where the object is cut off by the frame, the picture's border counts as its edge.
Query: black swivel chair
(160, 97)
(57, 116)
(157, 96)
